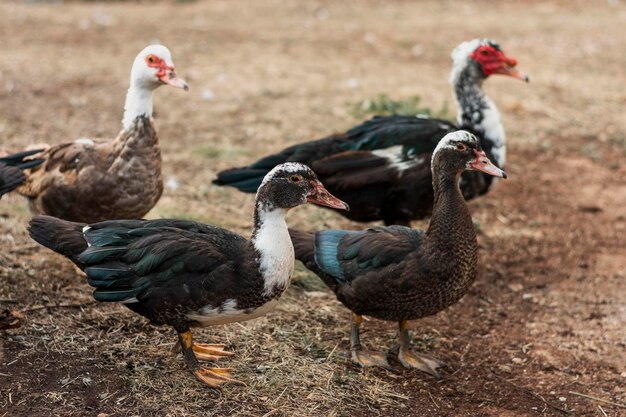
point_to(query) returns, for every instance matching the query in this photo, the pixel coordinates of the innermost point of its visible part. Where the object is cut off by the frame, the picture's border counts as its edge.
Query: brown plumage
(96, 180)
(90, 181)
(397, 273)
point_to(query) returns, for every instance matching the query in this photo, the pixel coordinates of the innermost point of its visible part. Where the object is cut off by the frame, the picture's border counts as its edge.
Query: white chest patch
(229, 313)
(274, 245)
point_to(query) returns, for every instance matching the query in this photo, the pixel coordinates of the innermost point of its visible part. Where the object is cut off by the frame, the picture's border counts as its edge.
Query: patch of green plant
(384, 105)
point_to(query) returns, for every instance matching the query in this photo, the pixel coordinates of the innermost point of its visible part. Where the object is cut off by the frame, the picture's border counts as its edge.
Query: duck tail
(11, 167)
(303, 246)
(62, 236)
(248, 179)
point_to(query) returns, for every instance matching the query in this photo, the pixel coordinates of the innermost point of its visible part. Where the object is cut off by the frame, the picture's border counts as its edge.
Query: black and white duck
(382, 166)
(396, 273)
(186, 274)
(90, 180)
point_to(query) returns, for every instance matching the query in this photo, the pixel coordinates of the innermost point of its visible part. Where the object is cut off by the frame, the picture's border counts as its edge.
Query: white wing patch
(228, 313)
(84, 141)
(396, 158)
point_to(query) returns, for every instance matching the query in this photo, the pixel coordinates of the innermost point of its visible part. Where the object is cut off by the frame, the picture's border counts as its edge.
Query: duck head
(460, 151)
(154, 67)
(292, 184)
(482, 58)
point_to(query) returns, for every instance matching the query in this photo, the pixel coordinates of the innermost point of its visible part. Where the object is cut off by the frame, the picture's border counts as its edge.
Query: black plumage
(382, 166)
(11, 167)
(397, 273)
(186, 274)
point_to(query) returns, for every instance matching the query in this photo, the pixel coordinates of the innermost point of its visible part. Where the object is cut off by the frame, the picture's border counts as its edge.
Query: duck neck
(272, 243)
(138, 103)
(477, 112)
(451, 223)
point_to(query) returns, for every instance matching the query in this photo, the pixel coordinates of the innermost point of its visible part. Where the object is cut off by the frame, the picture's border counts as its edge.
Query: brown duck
(94, 180)
(396, 273)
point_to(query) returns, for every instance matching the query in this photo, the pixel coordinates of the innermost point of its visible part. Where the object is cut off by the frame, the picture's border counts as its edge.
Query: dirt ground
(542, 331)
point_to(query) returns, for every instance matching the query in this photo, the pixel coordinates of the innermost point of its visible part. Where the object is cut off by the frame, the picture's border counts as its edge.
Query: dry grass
(545, 315)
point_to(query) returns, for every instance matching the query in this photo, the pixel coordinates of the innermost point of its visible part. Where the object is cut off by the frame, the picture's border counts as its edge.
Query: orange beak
(322, 197)
(482, 163)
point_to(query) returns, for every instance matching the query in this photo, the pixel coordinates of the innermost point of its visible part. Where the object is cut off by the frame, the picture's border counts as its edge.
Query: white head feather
(461, 56)
(450, 141)
(143, 82)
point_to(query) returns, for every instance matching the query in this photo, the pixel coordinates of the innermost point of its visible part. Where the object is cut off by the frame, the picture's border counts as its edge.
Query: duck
(396, 273)
(382, 166)
(92, 180)
(186, 274)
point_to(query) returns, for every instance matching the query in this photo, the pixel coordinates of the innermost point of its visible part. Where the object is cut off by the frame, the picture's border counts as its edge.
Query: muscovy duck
(186, 274)
(382, 167)
(396, 273)
(94, 180)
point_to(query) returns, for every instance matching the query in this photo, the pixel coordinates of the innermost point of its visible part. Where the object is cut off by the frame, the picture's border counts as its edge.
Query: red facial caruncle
(494, 61)
(165, 73)
(154, 61)
(482, 163)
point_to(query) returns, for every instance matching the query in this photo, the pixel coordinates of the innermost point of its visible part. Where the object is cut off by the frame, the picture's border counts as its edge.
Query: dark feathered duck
(382, 167)
(93, 180)
(186, 274)
(396, 273)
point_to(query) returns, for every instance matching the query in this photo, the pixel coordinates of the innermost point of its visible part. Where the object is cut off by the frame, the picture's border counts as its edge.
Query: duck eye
(151, 59)
(295, 178)
(461, 146)
(484, 52)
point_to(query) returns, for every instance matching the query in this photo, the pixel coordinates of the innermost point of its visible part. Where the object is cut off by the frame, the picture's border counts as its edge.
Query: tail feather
(303, 246)
(11, 167)
(248, 179)
(61, 236)
(10, 178)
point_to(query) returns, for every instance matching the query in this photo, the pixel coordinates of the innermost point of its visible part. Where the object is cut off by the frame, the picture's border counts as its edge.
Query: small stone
(562, 399)
(517, 361)
(352, 83)
(516, 287)
(527, 297)
(504, 368)
(208, 94)
(172, 183)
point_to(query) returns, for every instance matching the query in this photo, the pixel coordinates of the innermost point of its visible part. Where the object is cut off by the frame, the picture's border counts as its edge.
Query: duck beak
(507, 67)
(482, 163)
(170, 78)
(321, 196)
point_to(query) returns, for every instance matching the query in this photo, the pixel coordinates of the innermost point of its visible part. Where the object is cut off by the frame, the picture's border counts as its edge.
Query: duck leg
(412, 359)
(206, 352)
(213, 377)
(361, 357)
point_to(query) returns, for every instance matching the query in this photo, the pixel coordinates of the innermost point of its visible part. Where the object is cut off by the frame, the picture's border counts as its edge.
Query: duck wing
(364, 147)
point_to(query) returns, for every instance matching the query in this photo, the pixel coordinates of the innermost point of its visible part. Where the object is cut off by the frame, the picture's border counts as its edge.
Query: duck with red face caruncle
(382, 166)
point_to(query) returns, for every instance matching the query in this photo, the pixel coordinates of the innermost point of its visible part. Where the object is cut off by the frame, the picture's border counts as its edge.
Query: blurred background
(546, 315)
